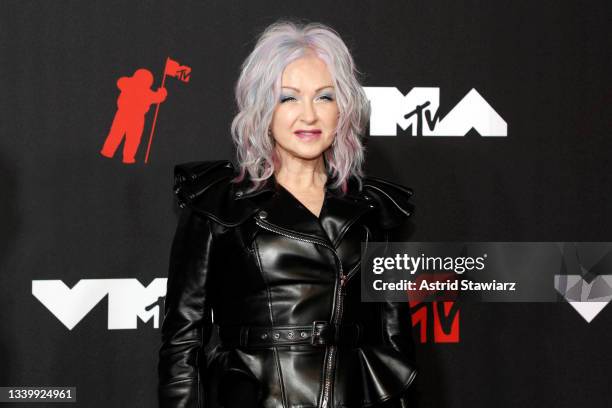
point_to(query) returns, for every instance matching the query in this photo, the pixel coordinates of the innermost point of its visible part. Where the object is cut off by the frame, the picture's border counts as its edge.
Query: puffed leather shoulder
(393, 199)
(205, 187)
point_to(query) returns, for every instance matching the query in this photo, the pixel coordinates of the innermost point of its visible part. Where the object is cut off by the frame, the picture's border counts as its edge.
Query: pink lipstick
(309, 134)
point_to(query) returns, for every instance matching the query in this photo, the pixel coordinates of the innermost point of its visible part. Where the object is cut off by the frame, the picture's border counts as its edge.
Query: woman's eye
(291, 98)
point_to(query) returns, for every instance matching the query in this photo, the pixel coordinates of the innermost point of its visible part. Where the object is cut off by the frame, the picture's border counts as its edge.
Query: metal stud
(263, 214)
(290, 335)
(303, 334)
(264, 336)
(276, 336)
(239, 193)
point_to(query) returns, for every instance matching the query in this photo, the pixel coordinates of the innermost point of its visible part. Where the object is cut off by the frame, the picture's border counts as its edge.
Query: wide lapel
(286, 213)
(283, 213)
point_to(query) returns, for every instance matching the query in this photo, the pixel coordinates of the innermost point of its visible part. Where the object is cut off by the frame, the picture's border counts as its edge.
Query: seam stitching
(390, 198)
(260, 267)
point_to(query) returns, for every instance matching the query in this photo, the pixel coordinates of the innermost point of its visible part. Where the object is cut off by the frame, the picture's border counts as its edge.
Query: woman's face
(306, 115)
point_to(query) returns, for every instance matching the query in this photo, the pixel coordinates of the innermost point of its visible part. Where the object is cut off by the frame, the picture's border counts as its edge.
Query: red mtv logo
(436, 320)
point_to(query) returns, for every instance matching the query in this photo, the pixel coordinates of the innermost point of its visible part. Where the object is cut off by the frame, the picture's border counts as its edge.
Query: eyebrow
(317, 90)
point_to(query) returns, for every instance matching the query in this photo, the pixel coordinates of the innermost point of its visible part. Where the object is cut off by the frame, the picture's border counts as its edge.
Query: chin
(310, 155)
(307, 152)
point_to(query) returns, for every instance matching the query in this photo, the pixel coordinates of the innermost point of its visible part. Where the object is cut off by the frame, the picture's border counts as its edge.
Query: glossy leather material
(263, 259)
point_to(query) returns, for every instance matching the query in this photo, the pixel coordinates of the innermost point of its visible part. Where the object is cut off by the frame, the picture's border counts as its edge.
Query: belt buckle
(315, 335)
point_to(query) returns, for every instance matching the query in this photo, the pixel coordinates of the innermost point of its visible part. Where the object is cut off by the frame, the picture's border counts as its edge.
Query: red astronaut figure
(133, 103)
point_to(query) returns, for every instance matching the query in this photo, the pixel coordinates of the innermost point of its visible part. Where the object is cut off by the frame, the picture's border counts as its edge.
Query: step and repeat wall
(496, 114)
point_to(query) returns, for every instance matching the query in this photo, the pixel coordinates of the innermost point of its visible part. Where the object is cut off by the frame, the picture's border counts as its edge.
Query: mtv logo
(418, 110)
(437, 321)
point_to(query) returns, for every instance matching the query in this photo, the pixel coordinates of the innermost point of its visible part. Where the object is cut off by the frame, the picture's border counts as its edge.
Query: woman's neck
(302, 175)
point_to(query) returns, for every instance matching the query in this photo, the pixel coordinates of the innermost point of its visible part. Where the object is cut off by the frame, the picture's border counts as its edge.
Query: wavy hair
(258, 90)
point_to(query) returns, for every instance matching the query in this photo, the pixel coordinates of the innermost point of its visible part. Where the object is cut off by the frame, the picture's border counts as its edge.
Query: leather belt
(319, 333)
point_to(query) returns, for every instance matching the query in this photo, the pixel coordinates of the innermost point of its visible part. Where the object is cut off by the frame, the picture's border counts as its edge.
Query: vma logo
(128, 300)
(418, 110)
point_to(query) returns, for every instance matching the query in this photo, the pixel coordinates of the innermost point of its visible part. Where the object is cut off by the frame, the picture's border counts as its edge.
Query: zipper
(337, 308)
(332, 349)
(280, 231)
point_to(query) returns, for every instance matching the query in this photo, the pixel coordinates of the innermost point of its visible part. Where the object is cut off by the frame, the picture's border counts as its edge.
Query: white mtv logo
(128, 300)
(419, 109)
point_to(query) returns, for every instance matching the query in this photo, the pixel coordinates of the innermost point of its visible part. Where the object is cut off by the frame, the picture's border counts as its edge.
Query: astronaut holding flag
(133, 103)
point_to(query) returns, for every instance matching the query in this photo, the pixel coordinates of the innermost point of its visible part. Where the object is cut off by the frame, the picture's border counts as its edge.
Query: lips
(308, 134)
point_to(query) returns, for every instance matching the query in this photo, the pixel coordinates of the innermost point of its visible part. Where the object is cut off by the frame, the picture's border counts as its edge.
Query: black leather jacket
(267, 268)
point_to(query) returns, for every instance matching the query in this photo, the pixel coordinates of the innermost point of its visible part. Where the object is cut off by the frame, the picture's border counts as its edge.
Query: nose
(309, 114)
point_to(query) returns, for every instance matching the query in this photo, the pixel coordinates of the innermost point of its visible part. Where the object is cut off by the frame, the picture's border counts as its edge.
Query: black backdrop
(70, 214)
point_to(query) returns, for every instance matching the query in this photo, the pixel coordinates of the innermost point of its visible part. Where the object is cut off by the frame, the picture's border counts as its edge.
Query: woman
(273, 250)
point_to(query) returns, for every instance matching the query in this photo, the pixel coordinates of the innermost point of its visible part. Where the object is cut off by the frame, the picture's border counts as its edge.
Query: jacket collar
(282, 212)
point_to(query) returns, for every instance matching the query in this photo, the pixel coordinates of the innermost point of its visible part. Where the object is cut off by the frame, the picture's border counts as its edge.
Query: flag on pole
(178, 71)
(175, 70)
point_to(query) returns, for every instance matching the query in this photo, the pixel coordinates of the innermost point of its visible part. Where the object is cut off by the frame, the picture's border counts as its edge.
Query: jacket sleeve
(187, 324)
(397, 333)
(395, 207)
(397, 321)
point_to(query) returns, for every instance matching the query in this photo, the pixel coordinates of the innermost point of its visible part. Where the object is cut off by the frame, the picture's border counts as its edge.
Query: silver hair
(258, 90)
